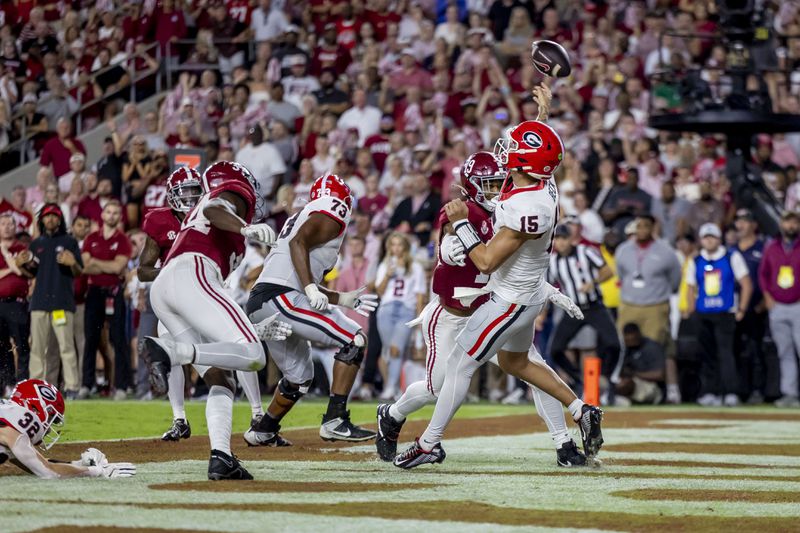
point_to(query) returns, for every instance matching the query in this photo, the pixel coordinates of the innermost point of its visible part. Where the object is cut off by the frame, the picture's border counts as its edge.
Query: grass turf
(109, 420)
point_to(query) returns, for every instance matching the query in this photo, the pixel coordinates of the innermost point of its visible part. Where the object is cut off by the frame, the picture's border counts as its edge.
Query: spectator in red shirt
(15, 320)
(105, 255)
(410, 75)
(58, 150)
(92, 205)
(378, 143)
(16, 208)
(226, 28)
(380, 18)
(330, 54)
(170, 26)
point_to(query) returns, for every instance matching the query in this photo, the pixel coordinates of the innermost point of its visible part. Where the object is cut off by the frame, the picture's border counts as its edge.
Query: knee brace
(292, 392)
(353, 353)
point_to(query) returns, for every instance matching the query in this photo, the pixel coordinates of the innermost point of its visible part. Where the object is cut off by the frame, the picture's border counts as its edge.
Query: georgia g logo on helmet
(47, 393)
(532, 139)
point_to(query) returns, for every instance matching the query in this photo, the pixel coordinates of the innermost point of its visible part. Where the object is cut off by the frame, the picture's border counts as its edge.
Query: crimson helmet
(532, 147)
(332, 185)
(237, 179)
(184, 189)
(46, 402)
(482, 177)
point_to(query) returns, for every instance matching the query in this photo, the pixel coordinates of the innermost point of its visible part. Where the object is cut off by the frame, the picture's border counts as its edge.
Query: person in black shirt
(417, 213)
(113, 79)
(625, 203)
(109, 166)
(642, 376)
(329, 98)
(55, 260)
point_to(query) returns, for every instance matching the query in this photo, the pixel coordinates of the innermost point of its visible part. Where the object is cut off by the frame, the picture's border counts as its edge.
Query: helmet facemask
(488, 188)
(185, 195)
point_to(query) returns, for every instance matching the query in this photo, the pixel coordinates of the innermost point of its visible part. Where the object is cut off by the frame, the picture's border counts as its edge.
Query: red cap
(51, 209)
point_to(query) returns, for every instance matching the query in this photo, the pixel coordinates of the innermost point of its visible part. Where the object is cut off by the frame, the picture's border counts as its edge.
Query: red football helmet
(532, 147)
(237, 179)
(332, 185)
(46, 402)
(184, 189)
(482, 178)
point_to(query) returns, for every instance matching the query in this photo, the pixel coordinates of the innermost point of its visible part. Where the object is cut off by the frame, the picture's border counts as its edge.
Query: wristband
(467, 235)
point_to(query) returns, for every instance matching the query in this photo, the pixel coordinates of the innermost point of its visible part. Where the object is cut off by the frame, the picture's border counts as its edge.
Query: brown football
(550, 59)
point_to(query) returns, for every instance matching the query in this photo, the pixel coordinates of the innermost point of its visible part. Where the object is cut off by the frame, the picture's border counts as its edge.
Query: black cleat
(224, 466)
(340, 428)
(388, 433)
(271, 439)
(159, 365)
(180, 430)
(415, 456)
(591, 433)
(568, 455)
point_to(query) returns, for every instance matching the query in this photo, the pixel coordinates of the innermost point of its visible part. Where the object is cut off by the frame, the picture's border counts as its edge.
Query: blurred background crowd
(393, 96)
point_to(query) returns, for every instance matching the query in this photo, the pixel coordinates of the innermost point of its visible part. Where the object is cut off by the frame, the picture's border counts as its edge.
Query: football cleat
(568, 455)
(340, 428)
(591, 433)
(224, 466)
(180, 430)
(268, 439)
(388, 432)
(415, 456)
(159, 365)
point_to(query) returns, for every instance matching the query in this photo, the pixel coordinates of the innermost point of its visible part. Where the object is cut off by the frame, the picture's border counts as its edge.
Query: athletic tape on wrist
(467, 235)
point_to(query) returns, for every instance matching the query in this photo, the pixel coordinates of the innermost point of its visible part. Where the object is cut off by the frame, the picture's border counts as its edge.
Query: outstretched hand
(543, 97)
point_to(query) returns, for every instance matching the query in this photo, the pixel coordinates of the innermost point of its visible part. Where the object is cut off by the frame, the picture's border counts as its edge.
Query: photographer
(55, 259)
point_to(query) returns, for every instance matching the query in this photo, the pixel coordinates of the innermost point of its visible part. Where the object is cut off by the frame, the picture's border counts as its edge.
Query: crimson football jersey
(155, 195)
(447, 277)
(162, 226)
(198, 236)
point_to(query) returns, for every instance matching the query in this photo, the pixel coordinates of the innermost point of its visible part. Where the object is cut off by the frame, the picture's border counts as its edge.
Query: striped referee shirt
(570, 272)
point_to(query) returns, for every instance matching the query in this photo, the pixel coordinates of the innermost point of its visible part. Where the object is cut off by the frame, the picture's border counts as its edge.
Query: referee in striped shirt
(579, 269)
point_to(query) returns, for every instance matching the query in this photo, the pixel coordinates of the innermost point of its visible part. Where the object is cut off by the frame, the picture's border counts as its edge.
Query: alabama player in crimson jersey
(31, 418)
(482, 176)
(517, 258)
(206, 327)
(307, 248)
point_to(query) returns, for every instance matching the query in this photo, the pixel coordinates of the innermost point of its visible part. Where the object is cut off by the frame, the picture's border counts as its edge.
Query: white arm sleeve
(739, 266)
(223, 203)
(25, 453)
(691, 273)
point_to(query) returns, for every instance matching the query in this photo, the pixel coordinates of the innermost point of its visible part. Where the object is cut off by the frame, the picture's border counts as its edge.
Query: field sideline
(672, 469)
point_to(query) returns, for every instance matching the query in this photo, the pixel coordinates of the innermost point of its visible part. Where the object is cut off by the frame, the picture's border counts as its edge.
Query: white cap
(710, 229)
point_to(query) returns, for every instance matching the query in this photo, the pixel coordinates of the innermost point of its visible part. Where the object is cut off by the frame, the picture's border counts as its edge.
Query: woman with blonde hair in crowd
(400, 282)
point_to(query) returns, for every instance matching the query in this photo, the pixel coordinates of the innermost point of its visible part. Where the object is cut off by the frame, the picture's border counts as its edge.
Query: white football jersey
(278, 266)
(23, 420)
(532, 210)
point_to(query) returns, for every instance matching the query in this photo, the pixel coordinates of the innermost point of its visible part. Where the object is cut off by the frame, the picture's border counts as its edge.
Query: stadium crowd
(392, 97)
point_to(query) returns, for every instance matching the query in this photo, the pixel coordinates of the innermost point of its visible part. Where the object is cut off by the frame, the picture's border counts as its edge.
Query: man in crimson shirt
(105, 255)
(16, 208)
(380, 18)
(330, 54)
(92, 205)
(378, 144)
(170, 26)
(15, 320)
(58, 150)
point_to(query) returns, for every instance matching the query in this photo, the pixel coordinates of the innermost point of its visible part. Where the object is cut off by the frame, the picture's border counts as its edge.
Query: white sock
(395, 369)
(460, 368)
(575, 408)
(552, 412)
(175, 393)
(249, 383)
(413, 399)
(219, 415)
(247, 356)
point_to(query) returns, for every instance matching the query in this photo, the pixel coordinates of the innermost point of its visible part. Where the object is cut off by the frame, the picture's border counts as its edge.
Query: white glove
(563, 301)
(316, 298)
(259, 232)
(452, 251)
(93, 457)
(114, 470)
(363, 304)
(272, 329)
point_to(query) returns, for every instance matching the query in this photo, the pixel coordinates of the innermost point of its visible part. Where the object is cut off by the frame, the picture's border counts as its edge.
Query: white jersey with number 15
(532, 210)
(278, 266)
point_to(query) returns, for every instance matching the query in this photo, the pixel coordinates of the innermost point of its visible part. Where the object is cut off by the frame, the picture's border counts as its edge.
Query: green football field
(665, 469)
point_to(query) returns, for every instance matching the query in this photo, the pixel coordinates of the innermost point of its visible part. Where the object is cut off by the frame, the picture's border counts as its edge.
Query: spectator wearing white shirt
(401, 284)
(323, 160)
(267, 22)
(362, 117)
(298, 83)
(263, 160)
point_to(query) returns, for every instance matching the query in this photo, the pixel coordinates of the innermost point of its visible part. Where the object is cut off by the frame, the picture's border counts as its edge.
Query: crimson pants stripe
(200, 271)
(432, 342)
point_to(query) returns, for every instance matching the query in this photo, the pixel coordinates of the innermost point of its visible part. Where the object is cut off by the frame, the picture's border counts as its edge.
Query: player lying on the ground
(307, 248)
(207, 328)
(445, 316)
(162, 226)
(34, 413)
(517, 258)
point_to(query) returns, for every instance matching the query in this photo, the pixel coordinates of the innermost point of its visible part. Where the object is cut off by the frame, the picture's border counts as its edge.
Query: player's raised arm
(486, 257)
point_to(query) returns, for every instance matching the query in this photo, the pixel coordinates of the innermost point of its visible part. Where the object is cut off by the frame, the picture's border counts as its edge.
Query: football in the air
(550, 59)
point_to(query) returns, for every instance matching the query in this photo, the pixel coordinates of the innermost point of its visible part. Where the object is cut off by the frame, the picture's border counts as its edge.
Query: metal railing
(136, 77)
(180, 45)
